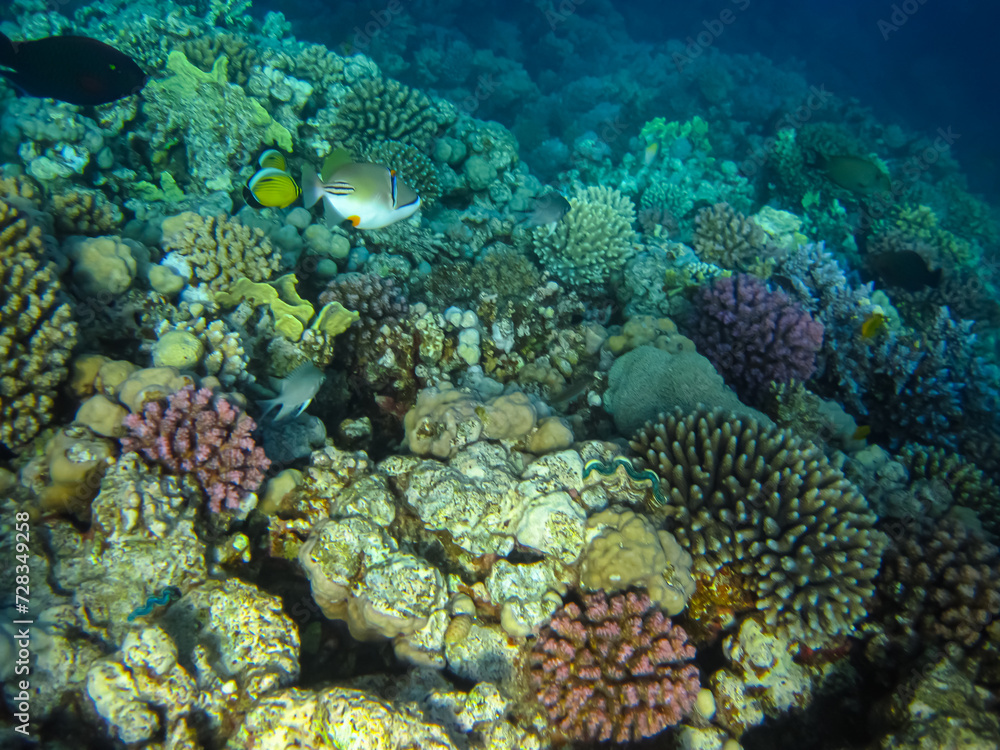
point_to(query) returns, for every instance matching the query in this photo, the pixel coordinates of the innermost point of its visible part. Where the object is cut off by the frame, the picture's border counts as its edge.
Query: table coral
(613, 669)
(207, 437)
(754, 335)
(37, 332)
(774, 508)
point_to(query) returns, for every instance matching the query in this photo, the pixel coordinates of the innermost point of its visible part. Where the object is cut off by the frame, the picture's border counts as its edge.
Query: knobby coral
(203, 436)
(754, 335)
(761, 503)
(613, 669)
(37, 332)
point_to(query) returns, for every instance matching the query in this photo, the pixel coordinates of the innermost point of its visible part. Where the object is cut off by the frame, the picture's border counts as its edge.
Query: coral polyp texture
(754, 335)
(939, 586)
(386, 110)
(37, 332)
(771, 508)
(593, 239)
(204, 436)
(613, 669)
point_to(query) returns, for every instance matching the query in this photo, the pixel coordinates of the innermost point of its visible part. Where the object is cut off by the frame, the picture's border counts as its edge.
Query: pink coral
(206, 437)
(613, 670)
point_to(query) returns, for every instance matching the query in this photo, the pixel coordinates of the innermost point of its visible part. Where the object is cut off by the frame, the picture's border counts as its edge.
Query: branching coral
(727, 238)
(593, 239)
(37, 332)
(88, 212)
(386, 110)
(939, 587)
(219, 251)
(772, 508)
(753, 335)
(613, 669)
(206, 437)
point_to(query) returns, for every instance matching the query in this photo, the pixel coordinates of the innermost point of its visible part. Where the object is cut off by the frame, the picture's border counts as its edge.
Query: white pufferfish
(370, 196)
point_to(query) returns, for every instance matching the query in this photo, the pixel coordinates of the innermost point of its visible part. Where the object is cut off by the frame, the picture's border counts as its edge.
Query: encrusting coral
(219, 251)
(613, 669)
(203, 436)
(37, 332)
(764, 505)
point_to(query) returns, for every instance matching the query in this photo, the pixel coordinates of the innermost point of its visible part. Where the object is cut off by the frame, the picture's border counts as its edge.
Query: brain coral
(754, 335)
(593, 239)
(764, 505)
(219, 250)
(37, 332)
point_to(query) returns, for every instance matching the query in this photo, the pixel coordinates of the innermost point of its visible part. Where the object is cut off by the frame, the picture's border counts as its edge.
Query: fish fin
(355, 220)
(273, 159)
(8, 51)
(250, 199)
(339, 157)
(330, 212)
(312, 188)
(268, 404)
(302, 408)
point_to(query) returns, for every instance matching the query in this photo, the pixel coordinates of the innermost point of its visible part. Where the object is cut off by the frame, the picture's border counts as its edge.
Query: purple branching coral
(613, 669)
(205, 437)
(753, 335)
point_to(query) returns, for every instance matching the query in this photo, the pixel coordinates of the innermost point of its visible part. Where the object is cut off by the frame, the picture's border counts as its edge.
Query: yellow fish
(872, 325)
(862, 432)
(370, 196)
(650, 153)
(271, 186)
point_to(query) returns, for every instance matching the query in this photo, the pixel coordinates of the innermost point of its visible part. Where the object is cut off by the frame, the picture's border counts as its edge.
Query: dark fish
(546, 209)
(74, 69)
(856, 174)
(905, 269)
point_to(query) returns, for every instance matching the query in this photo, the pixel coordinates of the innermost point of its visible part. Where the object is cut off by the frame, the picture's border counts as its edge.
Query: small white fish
(297, 390)
(370, 196)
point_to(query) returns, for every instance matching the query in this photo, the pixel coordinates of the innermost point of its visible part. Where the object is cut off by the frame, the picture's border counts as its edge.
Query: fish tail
(8, 51)
(312, 188)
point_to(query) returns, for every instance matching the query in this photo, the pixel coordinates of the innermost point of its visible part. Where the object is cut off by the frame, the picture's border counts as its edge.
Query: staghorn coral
(219, 251)
(37, 332)
(939, 586)
(593, 239)
(613, 669)
(386, 110)
(754, 335)
(772, 509)
(413, 167)
(80, 211)
(727, 238)
(203, 436)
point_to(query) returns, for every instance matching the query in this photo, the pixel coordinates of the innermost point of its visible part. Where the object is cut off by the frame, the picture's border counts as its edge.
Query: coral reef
(727, 238)
(592, 240)
(753, 335)
(771, 508)
(410, 164)
(613, 669)
(206, 437)
(37, 332)
(215, 252)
